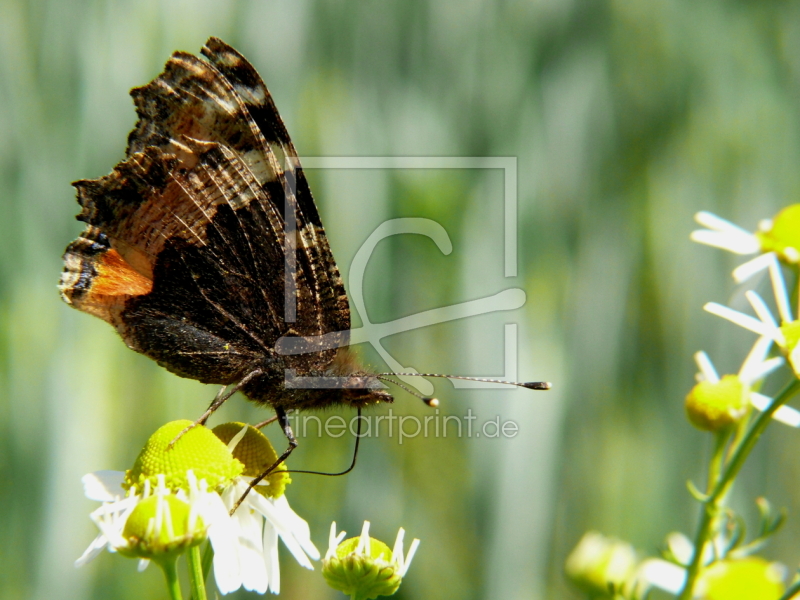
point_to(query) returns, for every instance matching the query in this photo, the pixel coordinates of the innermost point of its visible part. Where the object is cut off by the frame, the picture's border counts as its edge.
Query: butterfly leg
(283, 419)
(218, 401)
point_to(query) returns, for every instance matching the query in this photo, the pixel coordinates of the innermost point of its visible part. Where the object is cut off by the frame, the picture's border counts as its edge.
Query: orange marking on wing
(115, 277)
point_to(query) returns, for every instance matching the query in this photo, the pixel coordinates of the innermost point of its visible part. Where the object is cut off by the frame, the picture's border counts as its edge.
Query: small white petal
(746, 270)
(761, 309)
(270, 542)
(785, 414)
(410, 556)
(742, 320)
(397, 551)
(707, 370)
(273, 515)
(251, 552)
(680, 546)
(237, 438)
(143, 564)
(760, 371)
(363, 540)
(755, 366)
(104, 486)
(222, 533)
(299, 527)
(731, 241)
(96, 547)
(334, 540)
(662, 574)
(715, 223)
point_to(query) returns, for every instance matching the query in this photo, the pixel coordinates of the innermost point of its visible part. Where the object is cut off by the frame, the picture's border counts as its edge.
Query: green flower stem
(717, 459)
(168, 565)
(208, 559)
(196, 578)
(712, 504)
(793, 590)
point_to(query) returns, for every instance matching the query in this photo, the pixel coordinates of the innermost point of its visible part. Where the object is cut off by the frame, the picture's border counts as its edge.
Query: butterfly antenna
(530, 385)
(352, 464)
(432, 402)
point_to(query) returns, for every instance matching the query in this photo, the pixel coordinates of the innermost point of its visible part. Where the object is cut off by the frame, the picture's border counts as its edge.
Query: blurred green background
(626, 118)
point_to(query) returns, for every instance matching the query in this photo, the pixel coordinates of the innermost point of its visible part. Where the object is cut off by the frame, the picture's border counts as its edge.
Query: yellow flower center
(198, 449)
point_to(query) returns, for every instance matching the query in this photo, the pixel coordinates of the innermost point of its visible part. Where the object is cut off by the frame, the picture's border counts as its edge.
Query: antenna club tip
(432, 402)
(538, 385)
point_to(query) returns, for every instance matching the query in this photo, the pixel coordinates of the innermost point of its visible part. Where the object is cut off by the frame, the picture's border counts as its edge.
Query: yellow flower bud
(713, 406)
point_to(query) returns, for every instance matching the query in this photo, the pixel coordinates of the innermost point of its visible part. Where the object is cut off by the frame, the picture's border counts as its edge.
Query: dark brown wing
(198, 210)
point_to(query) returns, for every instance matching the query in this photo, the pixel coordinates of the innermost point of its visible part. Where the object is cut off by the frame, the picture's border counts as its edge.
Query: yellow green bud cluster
(362, 573)
(198, 450)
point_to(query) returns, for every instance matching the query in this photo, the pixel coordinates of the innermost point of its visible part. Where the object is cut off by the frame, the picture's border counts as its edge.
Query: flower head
(752, 577)
(716, 402)
(364, 567)
(160, 507)
(786, 334)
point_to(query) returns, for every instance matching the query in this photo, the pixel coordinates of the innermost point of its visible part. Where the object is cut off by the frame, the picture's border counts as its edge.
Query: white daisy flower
(213, 520)
(245, 544)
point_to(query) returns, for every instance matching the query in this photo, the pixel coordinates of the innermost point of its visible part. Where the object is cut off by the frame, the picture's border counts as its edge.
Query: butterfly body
(204, 246)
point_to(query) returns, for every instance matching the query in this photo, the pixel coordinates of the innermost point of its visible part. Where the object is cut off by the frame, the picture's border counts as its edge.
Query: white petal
(270, 542)
(251, 552)
(143, 564)
(746, 270)
(110, 519)
(237, 438)
(96, 547)
(104, 486)
(680, 546)
(299, 526)
(755, 366)
(662, 574)
(761, 308)
(334, 540)
(275, 517)
(731, 241)
(410, 556)
(706, 367)
(715, 223)
(397, 551)
(222, 533)
(741, 319)
(785, 414)
(363, 546)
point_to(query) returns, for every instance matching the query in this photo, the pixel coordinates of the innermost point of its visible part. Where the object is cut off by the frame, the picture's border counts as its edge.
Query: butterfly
(204, 248)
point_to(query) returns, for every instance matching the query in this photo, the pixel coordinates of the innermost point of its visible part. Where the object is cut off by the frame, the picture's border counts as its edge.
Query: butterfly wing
(195, 215)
